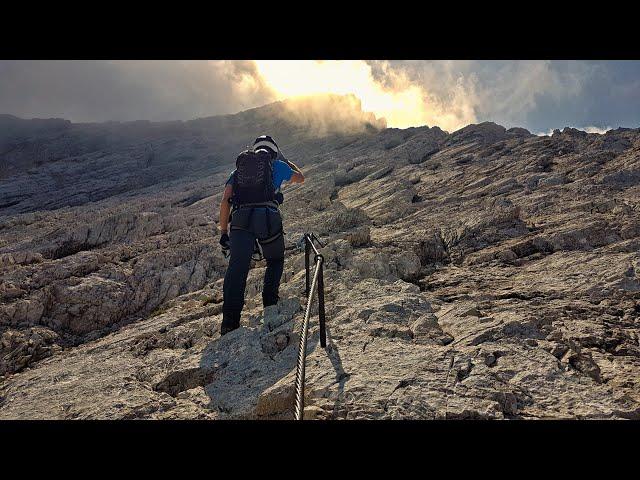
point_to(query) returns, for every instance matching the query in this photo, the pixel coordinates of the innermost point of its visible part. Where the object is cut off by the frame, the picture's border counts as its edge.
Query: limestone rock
(481, 274)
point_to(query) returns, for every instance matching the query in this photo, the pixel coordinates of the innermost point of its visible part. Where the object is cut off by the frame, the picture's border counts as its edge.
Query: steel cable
(302, 350)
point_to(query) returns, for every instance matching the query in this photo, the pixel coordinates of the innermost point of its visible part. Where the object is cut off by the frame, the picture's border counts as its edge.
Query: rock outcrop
(486, 273)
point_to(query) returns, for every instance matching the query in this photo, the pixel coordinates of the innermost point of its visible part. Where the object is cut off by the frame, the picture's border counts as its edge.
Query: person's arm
(225, 209)
(298, 176)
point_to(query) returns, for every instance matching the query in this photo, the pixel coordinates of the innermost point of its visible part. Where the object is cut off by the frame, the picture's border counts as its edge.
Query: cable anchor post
(307, 252)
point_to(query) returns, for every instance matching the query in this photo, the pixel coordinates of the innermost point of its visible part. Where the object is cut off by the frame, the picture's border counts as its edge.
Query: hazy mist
(538, 95)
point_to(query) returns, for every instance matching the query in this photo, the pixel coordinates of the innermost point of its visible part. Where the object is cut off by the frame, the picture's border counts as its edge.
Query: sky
(535, 94)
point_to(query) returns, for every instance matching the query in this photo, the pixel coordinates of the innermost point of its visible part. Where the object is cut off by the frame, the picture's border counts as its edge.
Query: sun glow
(398, 101)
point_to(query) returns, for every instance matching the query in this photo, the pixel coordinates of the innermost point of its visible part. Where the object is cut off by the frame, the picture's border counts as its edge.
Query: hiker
(252, 196)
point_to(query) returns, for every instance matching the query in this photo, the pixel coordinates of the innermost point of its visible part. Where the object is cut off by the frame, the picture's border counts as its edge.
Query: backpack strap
(234, 189)
(273, 204)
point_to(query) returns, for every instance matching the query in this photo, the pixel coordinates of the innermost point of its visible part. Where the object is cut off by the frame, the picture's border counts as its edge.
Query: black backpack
(253, 180)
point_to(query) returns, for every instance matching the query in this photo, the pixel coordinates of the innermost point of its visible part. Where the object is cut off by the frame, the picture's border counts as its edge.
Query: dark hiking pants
(242, 240)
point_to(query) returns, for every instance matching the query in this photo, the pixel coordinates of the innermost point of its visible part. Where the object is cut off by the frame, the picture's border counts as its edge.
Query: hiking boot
(230, 321)
(224, 329)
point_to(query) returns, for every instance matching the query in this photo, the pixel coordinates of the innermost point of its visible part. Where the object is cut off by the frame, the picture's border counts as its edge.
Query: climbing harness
(317, 281)
(240, 218)
(258, 253)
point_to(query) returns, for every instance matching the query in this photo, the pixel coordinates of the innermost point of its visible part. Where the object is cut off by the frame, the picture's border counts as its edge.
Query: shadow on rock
(341, 376)
(255, 365)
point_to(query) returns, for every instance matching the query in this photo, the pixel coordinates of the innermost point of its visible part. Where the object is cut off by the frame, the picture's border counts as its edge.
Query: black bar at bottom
(321, 315)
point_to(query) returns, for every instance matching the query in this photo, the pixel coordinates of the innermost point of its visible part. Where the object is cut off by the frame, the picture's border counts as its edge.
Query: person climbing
(250, 219)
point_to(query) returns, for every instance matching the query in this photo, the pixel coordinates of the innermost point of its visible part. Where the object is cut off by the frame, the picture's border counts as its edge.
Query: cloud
(322, 115)
(446, 97)
(395, 99)
(85, 91)
(505, 92)
(588, 129)
(538, 95)
(592, 129)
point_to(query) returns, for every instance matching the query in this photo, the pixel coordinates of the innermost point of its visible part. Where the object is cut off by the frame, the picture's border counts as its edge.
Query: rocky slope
(486, 273)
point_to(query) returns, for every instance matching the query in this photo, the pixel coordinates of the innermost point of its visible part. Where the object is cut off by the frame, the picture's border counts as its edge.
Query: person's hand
(224, 241)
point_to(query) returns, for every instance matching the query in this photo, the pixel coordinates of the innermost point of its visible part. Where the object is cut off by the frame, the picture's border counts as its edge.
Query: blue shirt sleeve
(230, 178)
(282, 172)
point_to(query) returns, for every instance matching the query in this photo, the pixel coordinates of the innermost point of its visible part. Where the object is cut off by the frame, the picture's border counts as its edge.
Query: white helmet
(266, 142)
